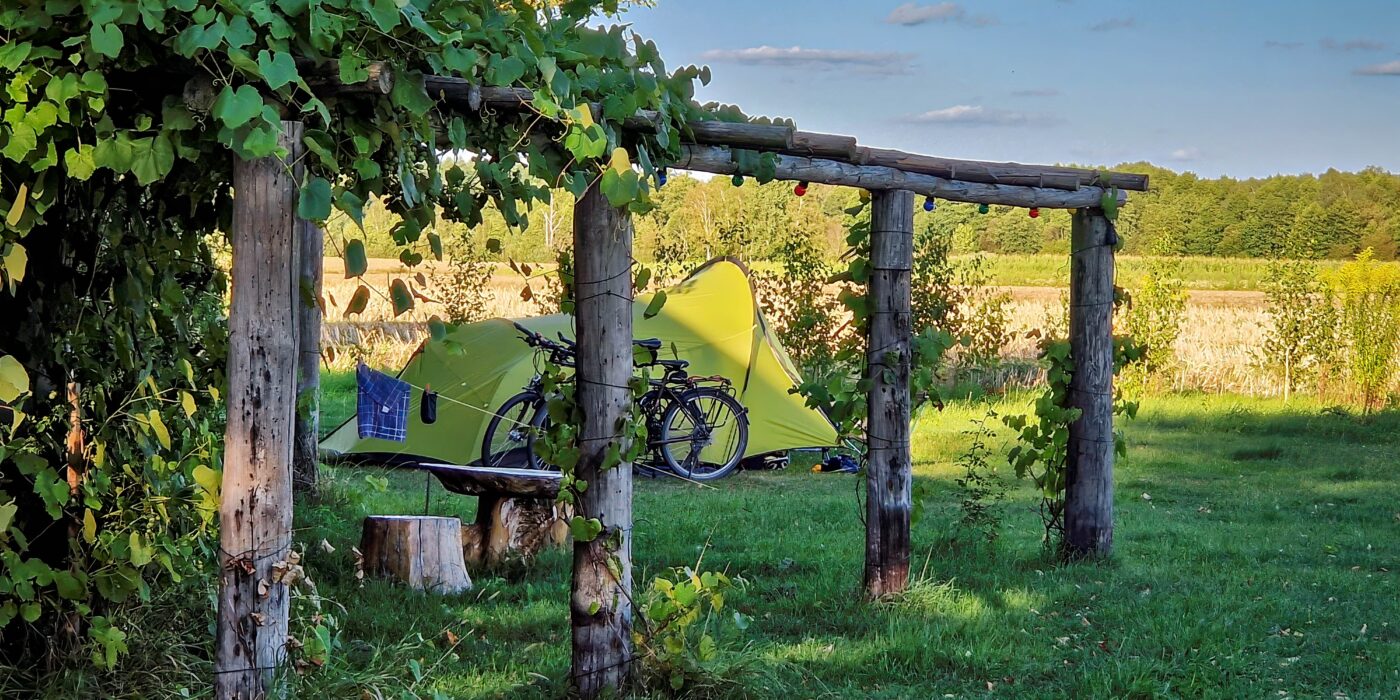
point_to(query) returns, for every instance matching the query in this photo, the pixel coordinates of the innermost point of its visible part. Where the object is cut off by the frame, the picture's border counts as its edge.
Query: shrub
(1301, 332)
(1155, 312)
(1369, 296)
(804, 317)
(680, 641)
(465, 288)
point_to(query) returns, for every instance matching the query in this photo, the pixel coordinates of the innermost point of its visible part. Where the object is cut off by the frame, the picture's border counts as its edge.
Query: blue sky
(1216, 87)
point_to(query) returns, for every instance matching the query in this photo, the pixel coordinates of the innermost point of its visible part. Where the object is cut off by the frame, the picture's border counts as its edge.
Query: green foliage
(121, 121)
(1300, 339)
(1369, 297)
(99, 510)
(1155, 311)
(465, 289)
(1042, 454)
(682, 618)
(978, 485)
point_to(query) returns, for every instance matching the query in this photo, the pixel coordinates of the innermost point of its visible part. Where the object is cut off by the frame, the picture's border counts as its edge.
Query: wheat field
(1215, 352)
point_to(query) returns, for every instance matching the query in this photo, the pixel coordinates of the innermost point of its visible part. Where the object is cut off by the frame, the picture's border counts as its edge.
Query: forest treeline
(1334, 215)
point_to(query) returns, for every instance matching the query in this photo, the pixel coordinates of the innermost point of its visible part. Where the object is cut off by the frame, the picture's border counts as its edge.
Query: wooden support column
(305, 461)
(600, 604)
(255, 513)
(1088, 517)
(888, 476)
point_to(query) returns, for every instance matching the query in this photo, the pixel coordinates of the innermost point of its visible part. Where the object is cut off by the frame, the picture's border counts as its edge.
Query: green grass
(1203, 273)
(1265, 564)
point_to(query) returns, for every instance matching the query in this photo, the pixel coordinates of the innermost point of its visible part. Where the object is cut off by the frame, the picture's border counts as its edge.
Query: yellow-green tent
(711, 319)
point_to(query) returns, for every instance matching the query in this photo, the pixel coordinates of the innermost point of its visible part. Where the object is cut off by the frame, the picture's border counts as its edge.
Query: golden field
(1215, 351)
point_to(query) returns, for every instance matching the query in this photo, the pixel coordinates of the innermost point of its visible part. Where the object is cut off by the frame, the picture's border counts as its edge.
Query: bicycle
(695, 426)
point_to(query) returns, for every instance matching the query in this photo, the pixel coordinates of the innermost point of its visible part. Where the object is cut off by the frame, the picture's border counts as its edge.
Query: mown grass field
(1256, 556)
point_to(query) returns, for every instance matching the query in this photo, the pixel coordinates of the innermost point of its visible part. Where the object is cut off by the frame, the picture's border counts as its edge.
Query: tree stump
(516, 513)
(513, 529)
(422, 551)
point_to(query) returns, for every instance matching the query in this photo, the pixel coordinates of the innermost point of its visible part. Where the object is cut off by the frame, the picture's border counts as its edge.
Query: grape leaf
(356, 260)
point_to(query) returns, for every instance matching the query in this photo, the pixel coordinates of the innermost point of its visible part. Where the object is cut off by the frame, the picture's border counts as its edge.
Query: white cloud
(797, 56)
(977, 115)
(1109, 25)
(1275, 44)
(1189, 153)
(1036, 92)
(1391, 68)
(912, 14)
(1352, 45)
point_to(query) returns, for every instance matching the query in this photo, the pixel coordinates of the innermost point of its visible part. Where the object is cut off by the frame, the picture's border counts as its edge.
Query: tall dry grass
(1215, 353)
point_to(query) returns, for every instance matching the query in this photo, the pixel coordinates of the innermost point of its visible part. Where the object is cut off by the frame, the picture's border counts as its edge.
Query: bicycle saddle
(673, 364)
(648, 343)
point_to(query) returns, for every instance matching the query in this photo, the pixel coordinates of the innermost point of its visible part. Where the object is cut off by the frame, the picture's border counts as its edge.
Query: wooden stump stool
(516, 515)
(422, 551)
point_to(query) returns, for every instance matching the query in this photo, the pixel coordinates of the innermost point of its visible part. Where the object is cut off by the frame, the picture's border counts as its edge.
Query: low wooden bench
(516, 512)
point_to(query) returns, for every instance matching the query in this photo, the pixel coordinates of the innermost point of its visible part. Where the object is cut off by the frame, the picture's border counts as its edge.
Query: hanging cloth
(382, 405)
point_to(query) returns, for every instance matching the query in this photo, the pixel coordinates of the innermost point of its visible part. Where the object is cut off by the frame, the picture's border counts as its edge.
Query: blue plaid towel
(382, 406)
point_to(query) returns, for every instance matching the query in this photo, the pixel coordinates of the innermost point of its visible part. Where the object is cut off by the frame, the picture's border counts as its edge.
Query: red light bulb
(1035, 212)
(800, 189)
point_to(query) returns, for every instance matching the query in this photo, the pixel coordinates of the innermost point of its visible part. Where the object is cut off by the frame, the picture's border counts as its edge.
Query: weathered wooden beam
(255, 512)
(1088, 515)
(462, 94)
(717, 159)
(1053, 177)
(600, 601)
(305, 457)
(888, 467)
(831, 146)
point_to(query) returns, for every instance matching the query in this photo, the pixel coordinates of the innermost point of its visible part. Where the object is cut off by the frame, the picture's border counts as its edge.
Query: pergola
(275, 254)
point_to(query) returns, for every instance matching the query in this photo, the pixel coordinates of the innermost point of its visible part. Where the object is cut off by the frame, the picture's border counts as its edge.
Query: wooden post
(255, 513)
(600, 601)
(888, 475)
(1088, 517)
(310, 246)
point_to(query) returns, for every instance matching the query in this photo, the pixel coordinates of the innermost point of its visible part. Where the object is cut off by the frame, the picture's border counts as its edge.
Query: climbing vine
(1043, 451)
(119, 124)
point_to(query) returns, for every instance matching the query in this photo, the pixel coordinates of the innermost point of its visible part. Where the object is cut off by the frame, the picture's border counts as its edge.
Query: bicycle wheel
(510, 437)
(703, 435)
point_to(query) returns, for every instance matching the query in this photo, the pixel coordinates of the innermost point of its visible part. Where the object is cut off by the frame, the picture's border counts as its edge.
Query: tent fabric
(712, 319)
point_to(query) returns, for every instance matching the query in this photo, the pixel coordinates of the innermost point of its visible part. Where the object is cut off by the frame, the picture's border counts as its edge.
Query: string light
(929, 204)
(738, 180)
(1035, 212)
(983, 209)
(661, 178)
(801, 189)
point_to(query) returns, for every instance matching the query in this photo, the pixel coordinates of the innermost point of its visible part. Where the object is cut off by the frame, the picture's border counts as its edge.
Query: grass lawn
(1256, 556)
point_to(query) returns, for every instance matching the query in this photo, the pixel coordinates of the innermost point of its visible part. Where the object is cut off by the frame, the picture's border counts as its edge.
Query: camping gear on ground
(838, 464)
(768, 462)
(381, 405)
(711, 320)
(694, 425)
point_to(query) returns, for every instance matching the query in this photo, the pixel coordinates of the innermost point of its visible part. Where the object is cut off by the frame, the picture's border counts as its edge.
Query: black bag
(427, 410)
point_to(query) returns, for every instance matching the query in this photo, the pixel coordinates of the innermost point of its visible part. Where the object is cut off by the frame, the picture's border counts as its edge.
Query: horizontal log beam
(1000, 173)
(464, 96)
(720, 160)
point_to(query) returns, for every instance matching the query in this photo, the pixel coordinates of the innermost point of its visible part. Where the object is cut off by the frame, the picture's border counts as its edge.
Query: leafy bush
(683, 617)
(465, 288)
(1369, 297)
(806, 319)
(1155, 311)
(1302, 330)
(109, 462)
